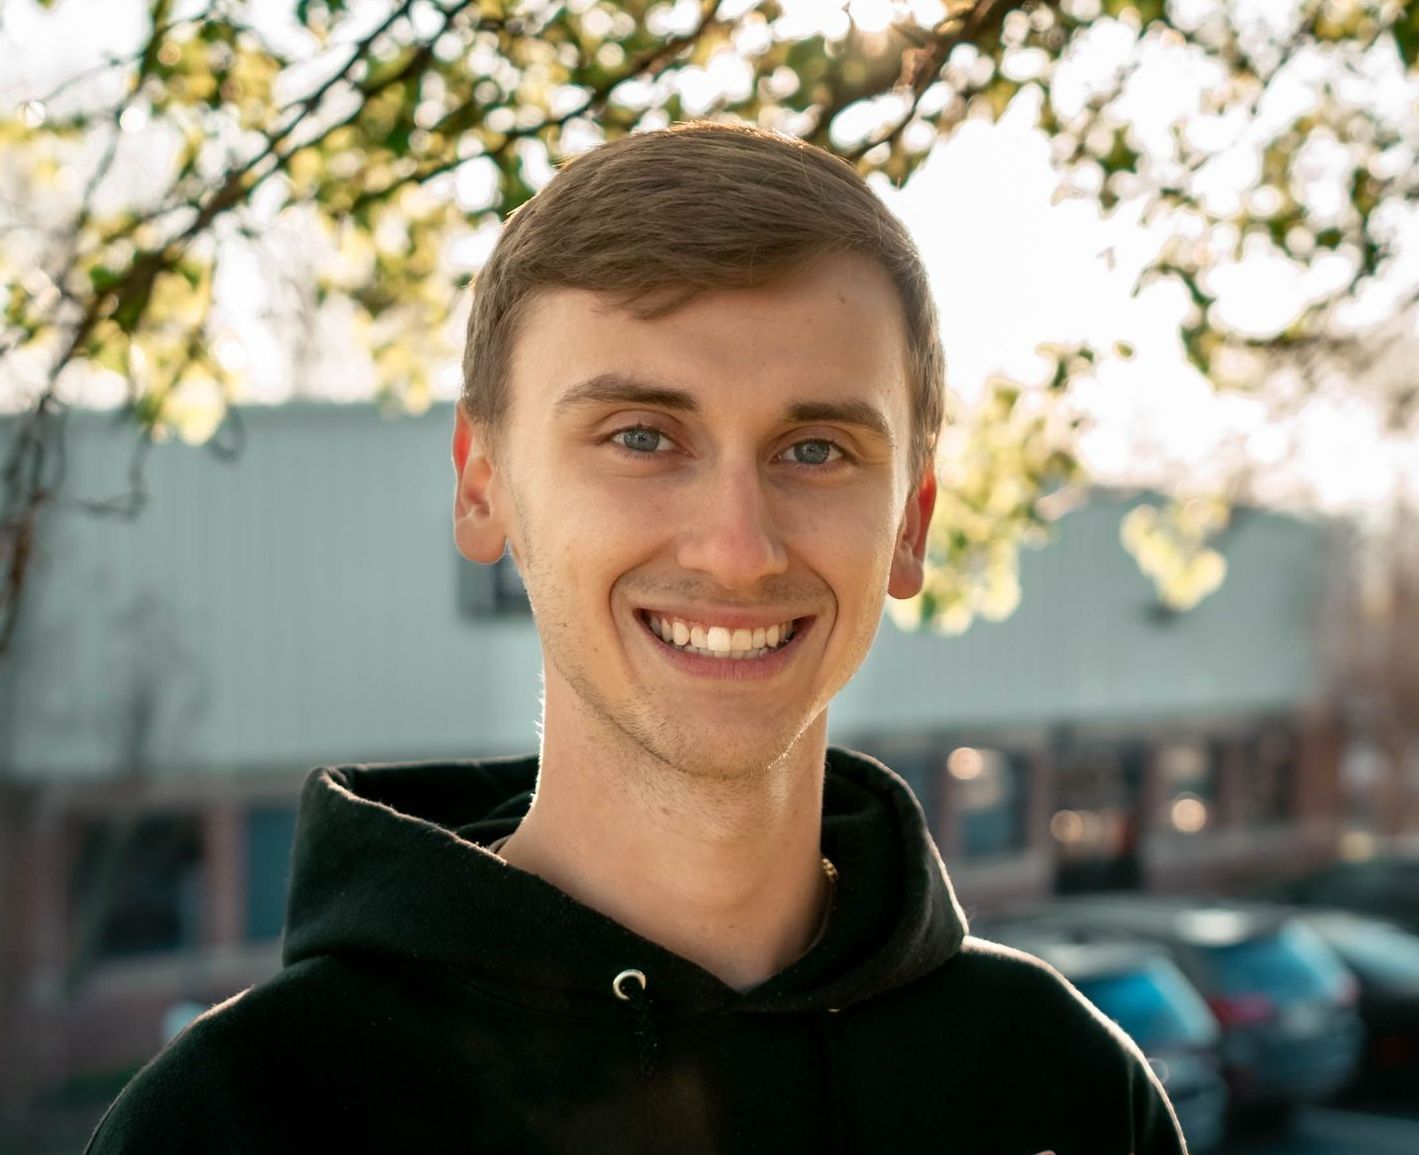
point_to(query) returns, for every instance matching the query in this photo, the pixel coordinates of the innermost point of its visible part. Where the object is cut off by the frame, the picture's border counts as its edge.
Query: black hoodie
(435, 999)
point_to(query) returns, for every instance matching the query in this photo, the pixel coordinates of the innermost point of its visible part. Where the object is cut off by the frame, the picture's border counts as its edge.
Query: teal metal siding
(1084, 647)
(299, 606)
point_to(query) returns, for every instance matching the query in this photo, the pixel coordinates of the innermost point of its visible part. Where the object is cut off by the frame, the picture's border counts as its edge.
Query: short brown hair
(658, 217)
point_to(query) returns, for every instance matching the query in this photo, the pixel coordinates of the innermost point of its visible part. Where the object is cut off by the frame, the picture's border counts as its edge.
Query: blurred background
(1159, 699)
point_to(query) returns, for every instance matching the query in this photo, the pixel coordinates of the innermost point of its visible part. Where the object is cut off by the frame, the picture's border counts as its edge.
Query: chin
(719, 753)
(711, 745)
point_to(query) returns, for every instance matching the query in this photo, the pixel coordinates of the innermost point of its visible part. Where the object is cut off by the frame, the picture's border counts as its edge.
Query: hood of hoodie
(390, 860)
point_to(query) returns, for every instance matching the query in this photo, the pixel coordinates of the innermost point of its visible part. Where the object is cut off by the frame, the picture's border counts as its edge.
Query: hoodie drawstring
(630, 988)
(830, 1076)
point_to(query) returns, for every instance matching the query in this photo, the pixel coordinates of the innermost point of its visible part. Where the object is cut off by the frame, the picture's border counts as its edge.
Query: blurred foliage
(358, 153)
(999, 466)
(1171, 547)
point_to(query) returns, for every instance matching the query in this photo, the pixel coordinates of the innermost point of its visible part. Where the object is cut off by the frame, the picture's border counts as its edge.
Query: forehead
(833, 330)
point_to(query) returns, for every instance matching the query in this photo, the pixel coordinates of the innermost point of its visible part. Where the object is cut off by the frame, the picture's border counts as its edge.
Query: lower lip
(731, 669)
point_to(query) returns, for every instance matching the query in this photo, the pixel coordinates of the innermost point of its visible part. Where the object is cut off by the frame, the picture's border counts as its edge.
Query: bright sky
(1012, 266)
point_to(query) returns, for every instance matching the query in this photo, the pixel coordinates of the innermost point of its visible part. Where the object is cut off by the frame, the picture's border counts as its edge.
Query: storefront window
(269, 835)
(987, 788)
(1268, 782)
(1095, 825)
(134, 886)
(1189, 772)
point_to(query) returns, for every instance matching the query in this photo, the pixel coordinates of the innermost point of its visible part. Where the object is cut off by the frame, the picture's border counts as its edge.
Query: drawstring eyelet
(617, 983)
(630, 987)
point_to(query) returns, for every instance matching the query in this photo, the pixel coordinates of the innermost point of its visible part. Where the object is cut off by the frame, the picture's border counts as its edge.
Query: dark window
(1268, 785)
(1190, 770)
(1096, 823)
(489, 590)
(508, 589)
(988, 790)
(269, 835)
(135, 886)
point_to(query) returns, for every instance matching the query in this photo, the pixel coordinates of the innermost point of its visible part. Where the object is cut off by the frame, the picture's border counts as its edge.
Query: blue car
(1285, 1001)
(1145, 993)
(1385, 959)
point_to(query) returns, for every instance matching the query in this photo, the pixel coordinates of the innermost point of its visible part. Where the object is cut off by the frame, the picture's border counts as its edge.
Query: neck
(726, 871)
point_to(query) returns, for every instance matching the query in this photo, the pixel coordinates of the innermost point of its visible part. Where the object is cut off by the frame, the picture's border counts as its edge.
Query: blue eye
(639, 439)
(814, 452)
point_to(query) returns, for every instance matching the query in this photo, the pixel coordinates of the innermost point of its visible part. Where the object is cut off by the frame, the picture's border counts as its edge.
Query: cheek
(846, 531)
(589, 532)
(568, 505)
(863, 563)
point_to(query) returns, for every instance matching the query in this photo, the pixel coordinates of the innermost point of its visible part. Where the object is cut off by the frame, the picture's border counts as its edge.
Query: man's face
(708, 507)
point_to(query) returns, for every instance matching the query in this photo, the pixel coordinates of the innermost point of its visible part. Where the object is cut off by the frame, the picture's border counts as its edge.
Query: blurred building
(176, 676)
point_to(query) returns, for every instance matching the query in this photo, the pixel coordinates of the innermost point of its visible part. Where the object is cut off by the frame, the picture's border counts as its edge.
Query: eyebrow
(860, 413)
(619, 389)
(616, 388)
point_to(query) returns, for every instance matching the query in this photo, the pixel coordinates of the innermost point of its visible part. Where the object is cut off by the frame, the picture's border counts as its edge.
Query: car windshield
(1294, 963)
(1381, 954)
(1154, 1004)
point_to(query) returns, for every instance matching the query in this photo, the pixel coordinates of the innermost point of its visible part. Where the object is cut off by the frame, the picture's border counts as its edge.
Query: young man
(703, 383)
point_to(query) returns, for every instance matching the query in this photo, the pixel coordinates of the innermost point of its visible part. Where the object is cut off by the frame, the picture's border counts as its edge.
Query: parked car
(1142, 990)
(1284, 1000)
(1385, 959)
(1385, 886)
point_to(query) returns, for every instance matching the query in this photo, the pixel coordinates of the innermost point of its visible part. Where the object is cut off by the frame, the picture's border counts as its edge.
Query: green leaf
(1120, 157)
(1147, 10)
(133, 301)
(1406, 35)
(102, 278)
(191, 272)
(809, 59)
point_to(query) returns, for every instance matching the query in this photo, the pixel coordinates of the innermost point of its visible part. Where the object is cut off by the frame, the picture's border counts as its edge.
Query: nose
(732, 537)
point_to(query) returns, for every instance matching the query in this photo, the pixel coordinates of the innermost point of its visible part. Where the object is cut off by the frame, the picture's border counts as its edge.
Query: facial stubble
(638, 727)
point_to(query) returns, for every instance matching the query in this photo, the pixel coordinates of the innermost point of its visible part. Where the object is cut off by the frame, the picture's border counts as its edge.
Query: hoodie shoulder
(1037, 993)
(1036, 1044)
(251, 1073)
(183, 1099)
(1037, 1006)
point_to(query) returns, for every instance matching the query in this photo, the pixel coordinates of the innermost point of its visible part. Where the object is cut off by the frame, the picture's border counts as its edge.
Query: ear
(477, 527)
(908, 572)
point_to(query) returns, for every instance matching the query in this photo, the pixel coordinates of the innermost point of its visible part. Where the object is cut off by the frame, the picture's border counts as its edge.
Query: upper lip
(736, 619)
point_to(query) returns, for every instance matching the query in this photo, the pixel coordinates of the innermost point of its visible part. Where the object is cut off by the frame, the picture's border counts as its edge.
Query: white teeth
(720, 641)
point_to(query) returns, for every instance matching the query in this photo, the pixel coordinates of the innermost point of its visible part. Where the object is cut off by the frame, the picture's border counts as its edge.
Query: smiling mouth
(712, 641)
